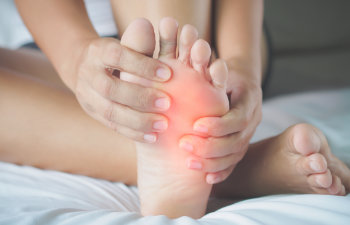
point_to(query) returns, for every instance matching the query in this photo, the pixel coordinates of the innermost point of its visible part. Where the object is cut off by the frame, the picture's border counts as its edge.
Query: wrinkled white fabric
(31, 196)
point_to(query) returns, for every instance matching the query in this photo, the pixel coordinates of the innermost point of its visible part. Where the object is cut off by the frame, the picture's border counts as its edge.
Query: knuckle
(109, 113)
(115, 54)
(209, 145)
(148, 66)
(145, 97)
(142, 123)
(244, 123)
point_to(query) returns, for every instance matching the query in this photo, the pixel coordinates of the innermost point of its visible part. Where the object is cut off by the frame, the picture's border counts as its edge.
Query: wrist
(245, 68)
(68, 67)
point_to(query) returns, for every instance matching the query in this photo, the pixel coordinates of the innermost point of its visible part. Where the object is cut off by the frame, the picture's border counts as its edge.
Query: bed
(31, 196)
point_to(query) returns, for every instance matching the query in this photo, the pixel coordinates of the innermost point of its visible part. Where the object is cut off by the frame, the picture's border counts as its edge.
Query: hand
(229, 135)
(125, 107)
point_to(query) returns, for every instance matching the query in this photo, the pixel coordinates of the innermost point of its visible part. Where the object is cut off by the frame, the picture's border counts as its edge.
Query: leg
(30, 62)
(297, 161)
(44, 126)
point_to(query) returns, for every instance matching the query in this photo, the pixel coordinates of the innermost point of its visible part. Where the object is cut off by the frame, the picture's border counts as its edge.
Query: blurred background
(310, 45)
(310, 42)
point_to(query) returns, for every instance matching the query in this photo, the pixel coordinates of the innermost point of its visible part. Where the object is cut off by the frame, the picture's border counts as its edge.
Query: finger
(233, 121)
(123, 115)
(188, 36)
(118, 57)
(213, 147)
(214, 178)
(144, 99)
(130, 133)
(213, 165)
(168, 37)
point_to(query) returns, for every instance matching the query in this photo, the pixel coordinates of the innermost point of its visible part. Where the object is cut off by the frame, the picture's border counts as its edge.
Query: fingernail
(162, 103)
(200, 128)
(187, 146)
(213, 179)
(151, 138)
(193, 164)
(163, 73)
(315, 166)
(160, 125)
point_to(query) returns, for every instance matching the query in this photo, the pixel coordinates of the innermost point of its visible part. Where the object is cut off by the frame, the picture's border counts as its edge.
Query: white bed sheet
(33, 196)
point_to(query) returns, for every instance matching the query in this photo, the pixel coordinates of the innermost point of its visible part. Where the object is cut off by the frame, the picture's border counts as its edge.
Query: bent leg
(44, 126)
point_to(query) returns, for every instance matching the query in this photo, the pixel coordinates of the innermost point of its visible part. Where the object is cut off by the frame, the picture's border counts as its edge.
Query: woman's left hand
(227, 136)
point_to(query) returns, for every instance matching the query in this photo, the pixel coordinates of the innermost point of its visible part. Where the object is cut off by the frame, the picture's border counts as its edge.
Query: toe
(305, 140)
(314, 163)
(200, 55)
(336, 186)
(323, 180)
(188, 36)
(219, 73)
(168, 37)
(139, 36)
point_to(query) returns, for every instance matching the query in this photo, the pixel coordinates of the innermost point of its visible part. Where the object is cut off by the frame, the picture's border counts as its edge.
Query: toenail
(162, 103)
(151, 138)
(186, 146)
(315, 166)
(194, 164)
(200, 128)
(160, 125)
(163, 73)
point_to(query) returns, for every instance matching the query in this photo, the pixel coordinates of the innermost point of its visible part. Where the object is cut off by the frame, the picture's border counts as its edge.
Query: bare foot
(165, 183)
(297, 161)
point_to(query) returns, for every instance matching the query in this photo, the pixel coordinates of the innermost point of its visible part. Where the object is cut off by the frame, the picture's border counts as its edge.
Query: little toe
(305, 140)
(323, 180)
(218, 72)
(200, 55)
(314, 163)
(168, 37)
(188, 36)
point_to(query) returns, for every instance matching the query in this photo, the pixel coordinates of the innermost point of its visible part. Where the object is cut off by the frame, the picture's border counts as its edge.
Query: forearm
(60, 28)
(238, 25)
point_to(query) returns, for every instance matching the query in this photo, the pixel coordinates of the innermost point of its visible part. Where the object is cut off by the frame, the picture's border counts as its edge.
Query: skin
(161, 166)
(237, 32)
(93, 151)
(86, 62)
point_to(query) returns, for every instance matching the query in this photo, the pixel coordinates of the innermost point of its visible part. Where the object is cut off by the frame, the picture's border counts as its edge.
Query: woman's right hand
(129, 109)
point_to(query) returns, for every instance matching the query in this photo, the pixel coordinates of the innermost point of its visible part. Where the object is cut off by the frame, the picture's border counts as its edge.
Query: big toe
(200, 55)
(139, 36)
